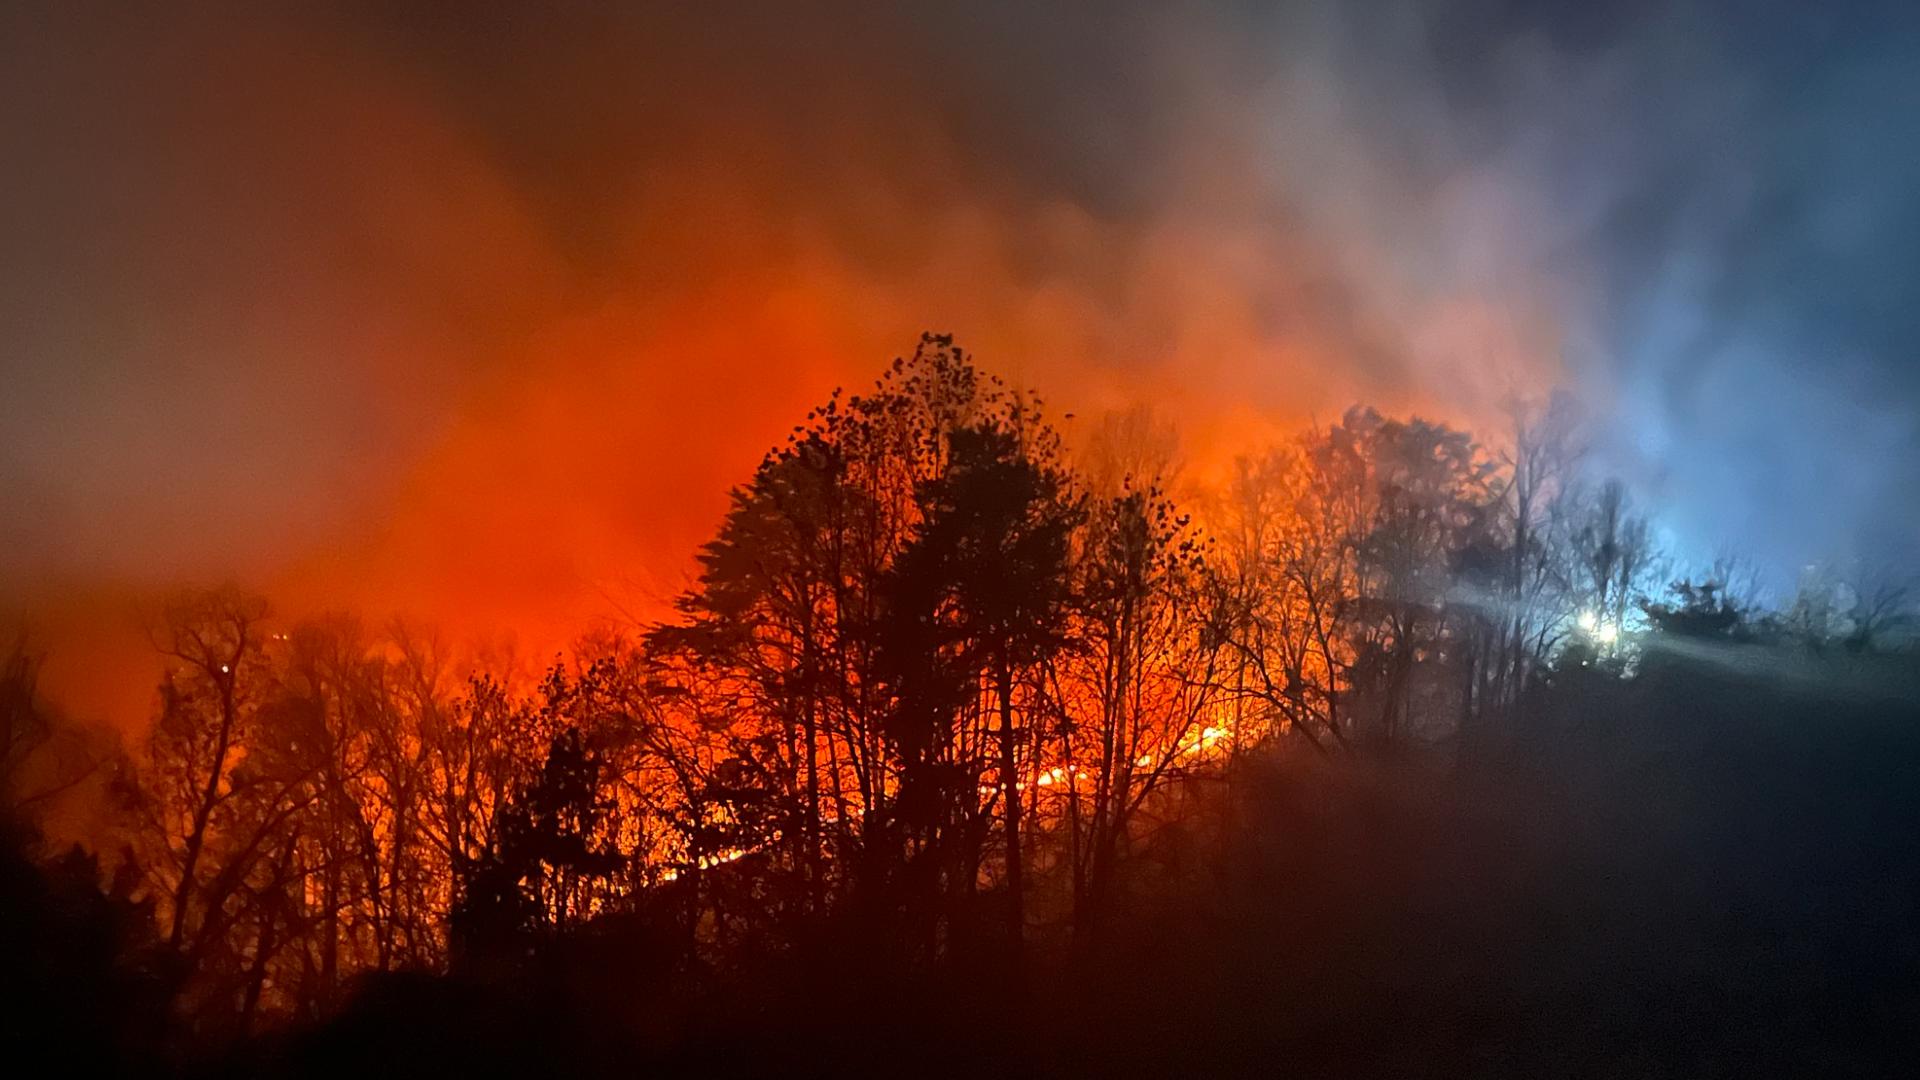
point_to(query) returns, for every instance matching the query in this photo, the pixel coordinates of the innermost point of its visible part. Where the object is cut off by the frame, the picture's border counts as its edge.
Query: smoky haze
(474, 316)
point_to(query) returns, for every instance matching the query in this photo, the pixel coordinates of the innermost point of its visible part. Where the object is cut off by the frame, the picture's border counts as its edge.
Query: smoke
(475, 316)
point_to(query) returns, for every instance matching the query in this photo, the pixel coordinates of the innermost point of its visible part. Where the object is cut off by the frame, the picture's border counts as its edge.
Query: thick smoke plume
(475, 316)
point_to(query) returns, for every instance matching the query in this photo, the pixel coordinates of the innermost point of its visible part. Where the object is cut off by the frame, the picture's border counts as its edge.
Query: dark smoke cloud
(474, 314)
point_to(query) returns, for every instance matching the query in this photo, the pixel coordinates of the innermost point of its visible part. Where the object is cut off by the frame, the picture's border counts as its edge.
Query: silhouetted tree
(1138, 683)
(85, 973)
(1513, 601)
(773, 665)
(1613, 555)
(1698, 610)
(549, 860)
(43, 756)
(986, 575)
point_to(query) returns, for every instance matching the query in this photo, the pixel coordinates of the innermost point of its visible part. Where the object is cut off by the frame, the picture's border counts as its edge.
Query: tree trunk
(1010, 793)
(203, 814)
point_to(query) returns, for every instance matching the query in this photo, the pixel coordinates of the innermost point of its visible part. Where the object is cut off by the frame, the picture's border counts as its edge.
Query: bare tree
(42, 755)
(1139, 693)
(1615, 561)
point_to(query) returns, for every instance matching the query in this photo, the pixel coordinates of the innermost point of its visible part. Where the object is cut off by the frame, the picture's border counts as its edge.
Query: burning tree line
(932, 674)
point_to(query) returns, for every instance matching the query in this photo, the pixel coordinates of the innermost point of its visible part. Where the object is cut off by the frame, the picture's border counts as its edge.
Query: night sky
(475, 316)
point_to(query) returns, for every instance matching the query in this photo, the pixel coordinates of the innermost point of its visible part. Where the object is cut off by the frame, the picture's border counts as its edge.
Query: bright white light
(1589, 621)
(1606, 633)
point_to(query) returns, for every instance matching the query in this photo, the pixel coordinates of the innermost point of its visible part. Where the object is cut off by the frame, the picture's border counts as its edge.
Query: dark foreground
(1704, 871)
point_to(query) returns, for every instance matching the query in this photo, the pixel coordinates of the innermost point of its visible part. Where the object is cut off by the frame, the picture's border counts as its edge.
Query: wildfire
(708, 862)
(1202, 744)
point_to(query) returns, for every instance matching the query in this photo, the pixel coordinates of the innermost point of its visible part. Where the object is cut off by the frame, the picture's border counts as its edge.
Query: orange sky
(479, 329)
